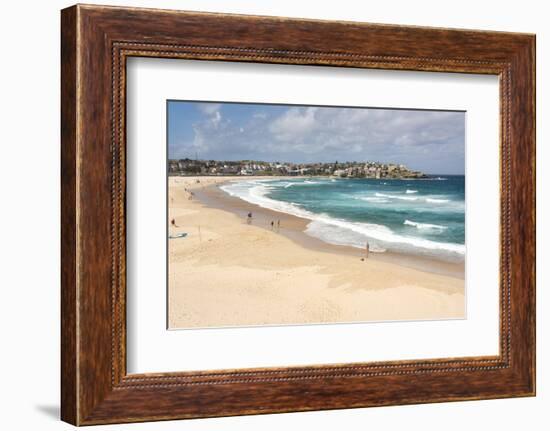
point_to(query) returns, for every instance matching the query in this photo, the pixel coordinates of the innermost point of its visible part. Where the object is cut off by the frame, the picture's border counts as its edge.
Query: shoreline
(294, 228)
(227, 272)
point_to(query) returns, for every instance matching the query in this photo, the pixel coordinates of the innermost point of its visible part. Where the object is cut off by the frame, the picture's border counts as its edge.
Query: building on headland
(250, 167)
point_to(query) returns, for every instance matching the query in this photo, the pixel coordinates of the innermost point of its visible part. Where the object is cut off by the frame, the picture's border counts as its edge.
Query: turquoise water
(424, 216)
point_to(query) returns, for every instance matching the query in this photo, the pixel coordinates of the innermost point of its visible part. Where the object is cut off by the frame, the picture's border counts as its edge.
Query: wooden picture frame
(95, 43)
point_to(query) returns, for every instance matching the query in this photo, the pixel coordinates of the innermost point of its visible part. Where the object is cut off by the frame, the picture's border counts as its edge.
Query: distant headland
(366, 169)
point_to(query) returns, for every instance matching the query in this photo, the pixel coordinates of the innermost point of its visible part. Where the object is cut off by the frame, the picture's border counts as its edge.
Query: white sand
(229, 273)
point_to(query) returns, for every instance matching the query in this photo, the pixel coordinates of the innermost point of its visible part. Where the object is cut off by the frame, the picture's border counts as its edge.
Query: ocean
(421, 216)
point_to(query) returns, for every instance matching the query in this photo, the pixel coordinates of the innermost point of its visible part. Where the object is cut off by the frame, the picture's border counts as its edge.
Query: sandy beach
(227, 272)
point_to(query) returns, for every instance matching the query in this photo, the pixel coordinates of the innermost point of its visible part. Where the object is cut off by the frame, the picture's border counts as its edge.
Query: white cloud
(216, 119)
(325, 134)
(209, 108)
(294, 124)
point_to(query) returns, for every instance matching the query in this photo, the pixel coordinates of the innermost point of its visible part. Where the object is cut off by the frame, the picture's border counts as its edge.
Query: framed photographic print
(266, 215)
(270, 186)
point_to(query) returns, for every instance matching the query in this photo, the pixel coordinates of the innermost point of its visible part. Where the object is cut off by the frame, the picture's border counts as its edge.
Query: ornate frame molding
(96, 41)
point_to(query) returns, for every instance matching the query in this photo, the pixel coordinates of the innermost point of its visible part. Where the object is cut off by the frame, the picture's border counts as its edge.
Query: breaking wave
(344, 232)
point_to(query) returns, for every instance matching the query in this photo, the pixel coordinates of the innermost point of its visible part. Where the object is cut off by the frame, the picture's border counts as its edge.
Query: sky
(429, 141)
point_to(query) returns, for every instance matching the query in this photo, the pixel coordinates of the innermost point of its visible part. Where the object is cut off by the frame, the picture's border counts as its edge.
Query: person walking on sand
(278, 225)
(249, 218)
(272, 224)
(173, 222)
(367, 250)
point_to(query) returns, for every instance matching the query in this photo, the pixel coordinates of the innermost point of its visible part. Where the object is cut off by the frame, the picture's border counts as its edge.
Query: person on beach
(173, 222)
(272, 224)
(249, 218)
(278, 225)
(367, 250)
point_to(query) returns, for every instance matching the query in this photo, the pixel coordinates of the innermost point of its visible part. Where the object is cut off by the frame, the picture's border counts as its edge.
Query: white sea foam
(301, 183)
(437, 201)
(255, 193)
(424, 225)
(344, 232)
(373, 199)
(411, 191)
(338, 235)
(403, 198)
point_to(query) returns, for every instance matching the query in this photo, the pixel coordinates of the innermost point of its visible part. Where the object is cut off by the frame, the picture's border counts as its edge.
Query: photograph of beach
(291, 215)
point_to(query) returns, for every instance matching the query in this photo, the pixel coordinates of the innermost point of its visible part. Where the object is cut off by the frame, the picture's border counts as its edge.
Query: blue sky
(430, 141)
